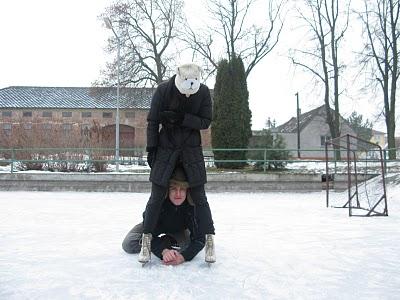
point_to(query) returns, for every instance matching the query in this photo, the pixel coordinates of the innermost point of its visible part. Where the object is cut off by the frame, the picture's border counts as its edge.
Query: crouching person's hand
(172, 257)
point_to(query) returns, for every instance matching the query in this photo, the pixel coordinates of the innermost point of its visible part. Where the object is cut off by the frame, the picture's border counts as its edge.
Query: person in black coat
(182, 106)
(176, 237)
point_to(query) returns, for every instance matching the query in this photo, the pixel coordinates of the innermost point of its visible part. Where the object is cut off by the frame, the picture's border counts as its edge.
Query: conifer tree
(275, 155)
(231, 127)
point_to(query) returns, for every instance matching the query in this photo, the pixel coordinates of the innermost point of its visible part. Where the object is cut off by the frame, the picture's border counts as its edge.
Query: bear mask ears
(190, 65)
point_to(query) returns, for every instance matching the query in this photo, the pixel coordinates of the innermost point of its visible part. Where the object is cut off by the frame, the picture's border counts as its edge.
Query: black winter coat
(178, 144)
(175, 219)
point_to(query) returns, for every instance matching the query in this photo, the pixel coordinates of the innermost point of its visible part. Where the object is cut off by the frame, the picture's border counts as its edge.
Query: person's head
(178, 187)
(187, 79)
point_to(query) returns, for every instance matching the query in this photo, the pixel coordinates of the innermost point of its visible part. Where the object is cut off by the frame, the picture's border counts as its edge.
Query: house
(33, 116)
(379, 138)
(396, 146)
(314, 131)
(397, 143)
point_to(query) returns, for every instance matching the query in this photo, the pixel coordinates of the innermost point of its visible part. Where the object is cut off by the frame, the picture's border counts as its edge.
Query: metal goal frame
(350, 145)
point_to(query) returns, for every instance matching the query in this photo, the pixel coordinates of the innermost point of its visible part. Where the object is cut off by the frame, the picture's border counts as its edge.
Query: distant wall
(227, 182)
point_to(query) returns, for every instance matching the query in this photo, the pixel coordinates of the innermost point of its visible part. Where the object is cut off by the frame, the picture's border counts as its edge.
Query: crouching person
(176, 237)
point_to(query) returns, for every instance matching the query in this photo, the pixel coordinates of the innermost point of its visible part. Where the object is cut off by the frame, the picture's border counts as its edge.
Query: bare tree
(381, 57)
(146, 30)
(233, 29)
(327, 25)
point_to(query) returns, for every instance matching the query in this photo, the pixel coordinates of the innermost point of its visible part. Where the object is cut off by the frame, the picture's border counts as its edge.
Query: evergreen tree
(361, 128)
(275, 151)
(231, 127)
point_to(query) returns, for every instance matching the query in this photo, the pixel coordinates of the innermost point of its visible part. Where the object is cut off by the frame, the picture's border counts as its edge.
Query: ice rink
(67, 245)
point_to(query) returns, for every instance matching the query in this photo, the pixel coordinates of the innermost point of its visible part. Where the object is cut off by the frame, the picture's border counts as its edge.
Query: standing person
(176, 237)
(183, 107)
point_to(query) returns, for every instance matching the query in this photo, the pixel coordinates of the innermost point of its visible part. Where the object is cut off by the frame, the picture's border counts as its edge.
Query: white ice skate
(145, 251)
(210, 249)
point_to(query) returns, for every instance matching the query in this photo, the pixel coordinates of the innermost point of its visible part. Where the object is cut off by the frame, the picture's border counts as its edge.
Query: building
(74, 117)
(314, 131)
(379, 138)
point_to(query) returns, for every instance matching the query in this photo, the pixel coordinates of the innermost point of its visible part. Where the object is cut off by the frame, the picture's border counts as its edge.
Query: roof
(304, 119)
(74, 97)
(377, 132)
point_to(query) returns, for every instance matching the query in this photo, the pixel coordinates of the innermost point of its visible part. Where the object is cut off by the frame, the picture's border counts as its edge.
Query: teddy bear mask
(187, 79)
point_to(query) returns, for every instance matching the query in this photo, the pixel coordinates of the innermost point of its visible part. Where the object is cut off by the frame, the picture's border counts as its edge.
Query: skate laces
(210, 244)
(146, 241)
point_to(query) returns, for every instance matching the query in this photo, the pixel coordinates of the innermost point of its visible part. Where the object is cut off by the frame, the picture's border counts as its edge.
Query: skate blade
(210, 263)
(145, 263)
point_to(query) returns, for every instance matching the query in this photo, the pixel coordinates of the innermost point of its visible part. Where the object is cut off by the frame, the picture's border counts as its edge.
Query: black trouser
(202, 209)
(133, 240)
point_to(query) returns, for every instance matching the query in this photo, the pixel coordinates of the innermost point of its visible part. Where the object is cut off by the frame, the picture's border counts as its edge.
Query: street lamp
(108, 24)
(298, 125)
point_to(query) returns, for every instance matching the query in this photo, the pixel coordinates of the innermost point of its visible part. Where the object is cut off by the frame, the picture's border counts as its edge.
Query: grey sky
(60, 43)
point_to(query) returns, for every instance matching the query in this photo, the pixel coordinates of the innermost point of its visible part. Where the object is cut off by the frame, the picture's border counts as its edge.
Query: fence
(103, 159)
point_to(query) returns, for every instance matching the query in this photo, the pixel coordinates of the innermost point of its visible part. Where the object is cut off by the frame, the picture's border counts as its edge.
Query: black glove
(151, 154)
(172, 117)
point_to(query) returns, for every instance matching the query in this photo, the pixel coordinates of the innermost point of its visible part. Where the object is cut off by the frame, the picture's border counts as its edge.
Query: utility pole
(298, 125)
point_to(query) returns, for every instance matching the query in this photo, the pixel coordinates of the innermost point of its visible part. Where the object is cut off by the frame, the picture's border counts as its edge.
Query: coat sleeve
(195, 246)
(158, 245)
(197, 241)
(153, 121)
(202, 120)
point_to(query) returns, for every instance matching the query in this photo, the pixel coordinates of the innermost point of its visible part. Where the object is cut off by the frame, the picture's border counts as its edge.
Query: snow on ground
(67, 245)
(303, 166)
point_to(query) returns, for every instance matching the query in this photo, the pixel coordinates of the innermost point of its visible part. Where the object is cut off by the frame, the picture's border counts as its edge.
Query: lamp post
(108, 23)
(298, 125)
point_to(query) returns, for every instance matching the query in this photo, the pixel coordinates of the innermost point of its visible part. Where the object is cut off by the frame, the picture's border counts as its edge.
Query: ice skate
(145, 251)
(210, 249)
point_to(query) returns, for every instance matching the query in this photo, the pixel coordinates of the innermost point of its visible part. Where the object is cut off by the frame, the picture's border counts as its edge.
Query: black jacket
(174, 219)
(178, 143)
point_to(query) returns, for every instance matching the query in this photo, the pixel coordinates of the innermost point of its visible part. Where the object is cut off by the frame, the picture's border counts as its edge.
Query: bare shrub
(58, 147)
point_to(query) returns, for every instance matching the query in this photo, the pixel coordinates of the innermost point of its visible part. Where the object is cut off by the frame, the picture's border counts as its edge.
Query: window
(324, 138)
(6, 113)
(47, 126)
(47, 114)
(107, 114)
(130, 115)
(27, 126)
(7, 127)
(27, 114)
(86, 114)
(67, 114)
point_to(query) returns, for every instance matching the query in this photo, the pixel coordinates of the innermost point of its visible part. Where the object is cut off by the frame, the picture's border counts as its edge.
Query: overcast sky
(61, 43)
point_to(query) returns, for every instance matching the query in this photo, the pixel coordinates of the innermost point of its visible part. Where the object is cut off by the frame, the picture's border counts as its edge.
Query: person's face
(177, 194)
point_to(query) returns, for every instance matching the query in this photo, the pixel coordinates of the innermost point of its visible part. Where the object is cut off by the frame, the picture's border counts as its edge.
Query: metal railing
(103, 159)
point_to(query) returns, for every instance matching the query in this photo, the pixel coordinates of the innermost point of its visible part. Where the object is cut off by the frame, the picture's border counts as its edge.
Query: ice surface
(67, 245)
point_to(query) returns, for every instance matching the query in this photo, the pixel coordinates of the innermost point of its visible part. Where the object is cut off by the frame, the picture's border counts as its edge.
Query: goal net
(355, 176)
